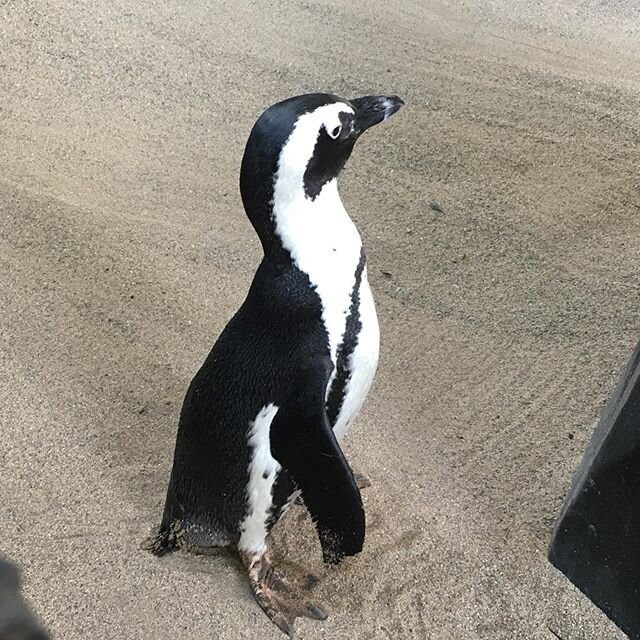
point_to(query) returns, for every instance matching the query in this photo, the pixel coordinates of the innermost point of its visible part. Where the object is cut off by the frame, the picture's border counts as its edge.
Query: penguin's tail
(167, 539)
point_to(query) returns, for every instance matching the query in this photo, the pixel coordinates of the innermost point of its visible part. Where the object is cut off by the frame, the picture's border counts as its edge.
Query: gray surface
(505, 319)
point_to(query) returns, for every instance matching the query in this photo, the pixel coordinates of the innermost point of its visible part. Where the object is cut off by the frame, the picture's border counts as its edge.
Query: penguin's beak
(372, 110)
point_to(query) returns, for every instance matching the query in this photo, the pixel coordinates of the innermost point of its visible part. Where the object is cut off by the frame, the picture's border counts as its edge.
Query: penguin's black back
(252, 364)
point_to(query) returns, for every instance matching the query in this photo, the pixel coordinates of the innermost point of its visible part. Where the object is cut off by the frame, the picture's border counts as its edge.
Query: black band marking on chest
(346, 348)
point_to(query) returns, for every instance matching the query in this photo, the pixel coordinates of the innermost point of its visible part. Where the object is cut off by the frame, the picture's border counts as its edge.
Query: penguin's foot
(282, 599)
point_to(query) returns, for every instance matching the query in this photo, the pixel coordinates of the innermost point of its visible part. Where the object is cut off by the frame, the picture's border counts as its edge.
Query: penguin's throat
(323, 243)
(317, 233)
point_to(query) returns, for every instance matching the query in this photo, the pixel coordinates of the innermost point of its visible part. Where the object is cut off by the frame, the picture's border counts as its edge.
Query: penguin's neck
(318, 233)
(324, 243)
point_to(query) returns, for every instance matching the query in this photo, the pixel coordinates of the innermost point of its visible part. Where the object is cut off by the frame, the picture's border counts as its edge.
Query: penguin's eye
(335, 132)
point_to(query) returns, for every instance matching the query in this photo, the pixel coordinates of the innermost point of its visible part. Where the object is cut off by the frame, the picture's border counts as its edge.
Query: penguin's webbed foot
(282, 599)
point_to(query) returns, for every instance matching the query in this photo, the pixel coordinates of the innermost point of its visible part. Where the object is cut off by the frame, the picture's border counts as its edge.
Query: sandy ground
(505, 318)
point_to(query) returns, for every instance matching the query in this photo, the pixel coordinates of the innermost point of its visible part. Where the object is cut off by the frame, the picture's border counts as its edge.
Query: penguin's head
(299, 146)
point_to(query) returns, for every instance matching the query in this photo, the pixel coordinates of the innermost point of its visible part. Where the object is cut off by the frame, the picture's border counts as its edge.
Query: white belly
(362, 362)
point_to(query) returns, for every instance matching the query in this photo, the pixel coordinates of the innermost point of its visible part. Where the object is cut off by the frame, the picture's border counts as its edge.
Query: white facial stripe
(298, 149)
(259, 490)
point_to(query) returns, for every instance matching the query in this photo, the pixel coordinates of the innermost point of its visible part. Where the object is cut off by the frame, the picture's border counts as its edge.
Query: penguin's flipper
(303, 442)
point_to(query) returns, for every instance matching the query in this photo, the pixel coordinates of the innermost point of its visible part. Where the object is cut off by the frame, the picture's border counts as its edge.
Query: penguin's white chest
(325, 244)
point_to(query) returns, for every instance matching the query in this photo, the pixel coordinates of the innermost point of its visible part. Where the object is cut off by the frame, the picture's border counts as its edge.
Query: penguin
(262, 418)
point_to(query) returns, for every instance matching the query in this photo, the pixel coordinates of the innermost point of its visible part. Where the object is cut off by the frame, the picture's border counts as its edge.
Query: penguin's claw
(281, 599)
